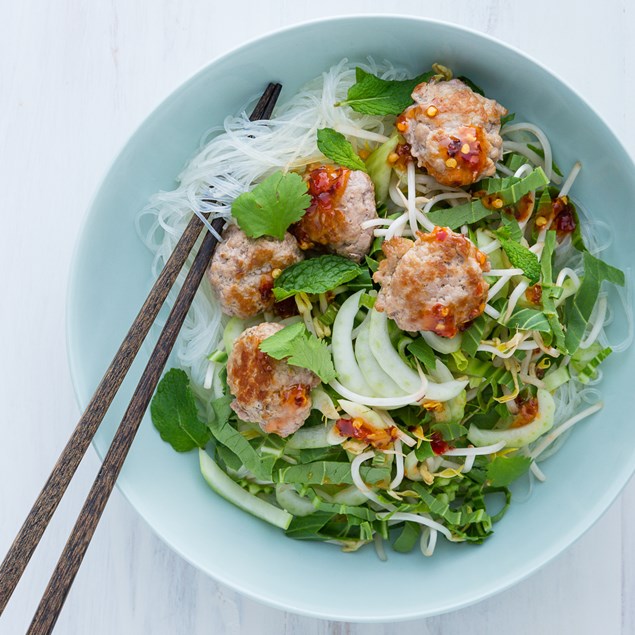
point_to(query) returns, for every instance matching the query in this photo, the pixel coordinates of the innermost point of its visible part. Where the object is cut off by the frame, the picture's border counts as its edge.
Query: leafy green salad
(429, 370)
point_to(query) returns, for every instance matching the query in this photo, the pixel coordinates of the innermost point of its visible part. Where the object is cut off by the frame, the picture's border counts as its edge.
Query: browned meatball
(341, 200)
(267, 391)
(241, 270)
(433, 284)
(453, 132)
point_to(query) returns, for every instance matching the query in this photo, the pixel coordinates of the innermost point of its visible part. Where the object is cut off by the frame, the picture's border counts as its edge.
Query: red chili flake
(527, 412)
(454, 147)
(565, 220)
(440, 235)
(438, 445)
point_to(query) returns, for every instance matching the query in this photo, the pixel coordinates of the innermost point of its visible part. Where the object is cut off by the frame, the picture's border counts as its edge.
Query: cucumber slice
(380, 382)
(290, 500)
(234, 328)
(234, 493)
(524, 435)
(348, 372)
(311, 438)
(379, 169)
(387, 357)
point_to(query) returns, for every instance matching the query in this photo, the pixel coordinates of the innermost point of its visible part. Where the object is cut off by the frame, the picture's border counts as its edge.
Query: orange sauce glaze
(322, 220)
(358, 428)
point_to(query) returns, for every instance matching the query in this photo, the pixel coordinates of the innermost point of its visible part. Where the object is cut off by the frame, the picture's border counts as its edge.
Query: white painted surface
(76, 78)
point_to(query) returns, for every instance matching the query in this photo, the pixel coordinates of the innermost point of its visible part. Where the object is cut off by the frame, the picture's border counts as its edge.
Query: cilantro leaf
(580, 307)
(302, 349)
(315, 275)
(520, 256)
(273, 205)
(505, 469)
(335, 146)
(174, 414)
(374, 96)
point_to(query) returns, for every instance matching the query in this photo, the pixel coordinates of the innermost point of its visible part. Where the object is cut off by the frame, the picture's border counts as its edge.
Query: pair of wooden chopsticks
(44, 507)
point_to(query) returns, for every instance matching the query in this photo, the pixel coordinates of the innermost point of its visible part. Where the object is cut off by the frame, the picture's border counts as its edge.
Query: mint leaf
(315, 275)
(301, 348)
(580, 307)
(273, 205)
(335, 146)
(374, 96)
(520, 257)
(505, 469)
(529, 320)
(174, 414)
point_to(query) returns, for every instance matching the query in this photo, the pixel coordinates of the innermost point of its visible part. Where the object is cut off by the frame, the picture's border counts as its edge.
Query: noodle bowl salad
(404, 316)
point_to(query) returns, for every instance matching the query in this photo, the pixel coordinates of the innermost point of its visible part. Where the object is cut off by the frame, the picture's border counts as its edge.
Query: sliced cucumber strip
(234, 328)
(234, 493)
(322, 402)
(387, 357)
(310, 438)
(524, 435)
(446, 390)
(380, 382)
(289, 499)
(357, 410)
(348, 372)
(440, 344)
(379, 169)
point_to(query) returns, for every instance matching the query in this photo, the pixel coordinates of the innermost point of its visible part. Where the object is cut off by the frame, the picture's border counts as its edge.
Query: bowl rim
(566, 539)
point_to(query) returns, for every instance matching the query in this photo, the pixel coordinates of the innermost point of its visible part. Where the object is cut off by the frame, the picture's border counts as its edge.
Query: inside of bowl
(166, 487)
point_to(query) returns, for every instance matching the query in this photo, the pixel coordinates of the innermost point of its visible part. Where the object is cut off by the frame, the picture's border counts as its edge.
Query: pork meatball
(341, 200)
(453, 132)
(241, 271)
(433, 284)
(267, 391)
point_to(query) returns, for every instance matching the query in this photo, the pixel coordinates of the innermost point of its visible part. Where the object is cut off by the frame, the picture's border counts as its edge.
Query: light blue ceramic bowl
(111, 276)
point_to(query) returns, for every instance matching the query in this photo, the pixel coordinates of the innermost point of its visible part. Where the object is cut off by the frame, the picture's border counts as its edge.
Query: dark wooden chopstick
(45, 505)
(73, 554)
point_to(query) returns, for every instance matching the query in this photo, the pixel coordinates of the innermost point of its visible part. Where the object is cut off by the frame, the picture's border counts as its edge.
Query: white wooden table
(75, 79)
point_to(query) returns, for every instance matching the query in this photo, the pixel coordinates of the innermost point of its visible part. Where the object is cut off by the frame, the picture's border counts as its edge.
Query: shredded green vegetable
(410, 431)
